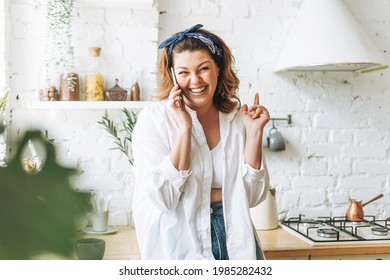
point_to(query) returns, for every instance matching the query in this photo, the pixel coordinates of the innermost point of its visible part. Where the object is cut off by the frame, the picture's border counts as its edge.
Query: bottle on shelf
(135, 93)
(94, 81)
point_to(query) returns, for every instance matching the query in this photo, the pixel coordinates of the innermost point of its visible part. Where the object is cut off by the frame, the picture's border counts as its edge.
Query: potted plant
(122, 137)
(59, 53)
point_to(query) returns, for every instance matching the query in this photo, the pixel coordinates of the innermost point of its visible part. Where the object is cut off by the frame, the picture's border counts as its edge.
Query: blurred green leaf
(38, 212)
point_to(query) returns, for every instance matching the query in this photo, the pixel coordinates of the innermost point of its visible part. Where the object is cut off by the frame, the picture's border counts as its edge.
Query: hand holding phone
(175, 83)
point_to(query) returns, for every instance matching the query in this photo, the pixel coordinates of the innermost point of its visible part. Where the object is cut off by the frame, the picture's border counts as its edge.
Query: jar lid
(116, 88)
(94, 51)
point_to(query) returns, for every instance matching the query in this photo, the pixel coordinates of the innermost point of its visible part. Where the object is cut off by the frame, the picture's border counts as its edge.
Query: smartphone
(175, 83)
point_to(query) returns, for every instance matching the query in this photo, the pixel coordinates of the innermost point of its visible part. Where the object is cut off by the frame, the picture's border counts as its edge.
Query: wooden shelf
(89, 105)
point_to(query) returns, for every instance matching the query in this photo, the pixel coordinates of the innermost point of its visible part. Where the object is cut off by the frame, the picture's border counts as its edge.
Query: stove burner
(327, 232)
(308, 222)
(338, 230)
(379, 231)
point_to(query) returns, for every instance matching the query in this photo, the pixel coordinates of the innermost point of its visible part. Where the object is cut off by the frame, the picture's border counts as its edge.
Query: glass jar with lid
(94, 80)
(69, 86)
(116, 93)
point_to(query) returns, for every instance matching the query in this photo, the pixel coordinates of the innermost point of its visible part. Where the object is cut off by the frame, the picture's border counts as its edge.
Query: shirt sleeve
(256, 182)
(176, 177)
(156, 176)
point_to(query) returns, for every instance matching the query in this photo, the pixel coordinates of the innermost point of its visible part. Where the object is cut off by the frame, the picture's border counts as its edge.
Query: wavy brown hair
(225, 96)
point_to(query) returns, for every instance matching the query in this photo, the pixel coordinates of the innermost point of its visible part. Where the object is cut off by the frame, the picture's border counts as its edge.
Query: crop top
(216, 155)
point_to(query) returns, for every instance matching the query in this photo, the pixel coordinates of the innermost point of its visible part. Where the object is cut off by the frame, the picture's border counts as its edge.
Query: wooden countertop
(277, 244)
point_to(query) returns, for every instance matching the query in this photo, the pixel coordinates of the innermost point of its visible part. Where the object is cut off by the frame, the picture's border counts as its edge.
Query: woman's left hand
(256, 116)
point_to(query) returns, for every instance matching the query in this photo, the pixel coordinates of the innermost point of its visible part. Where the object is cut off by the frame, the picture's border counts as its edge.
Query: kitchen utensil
(355, 210)
(100, 201)
(373, 199)
(265, 215)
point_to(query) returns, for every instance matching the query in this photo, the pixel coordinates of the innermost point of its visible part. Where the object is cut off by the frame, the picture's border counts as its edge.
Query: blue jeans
(218, 234)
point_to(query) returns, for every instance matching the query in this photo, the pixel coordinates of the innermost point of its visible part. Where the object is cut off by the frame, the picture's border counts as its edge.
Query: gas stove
(338, 230)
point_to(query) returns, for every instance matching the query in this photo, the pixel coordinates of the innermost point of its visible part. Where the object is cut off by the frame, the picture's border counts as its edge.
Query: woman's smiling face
(197, 75)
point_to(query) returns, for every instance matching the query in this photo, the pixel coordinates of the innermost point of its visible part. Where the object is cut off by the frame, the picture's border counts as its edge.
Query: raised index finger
(256, 102)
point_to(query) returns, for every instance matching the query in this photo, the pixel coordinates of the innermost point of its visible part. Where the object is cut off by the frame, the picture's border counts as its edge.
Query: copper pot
(355, 211)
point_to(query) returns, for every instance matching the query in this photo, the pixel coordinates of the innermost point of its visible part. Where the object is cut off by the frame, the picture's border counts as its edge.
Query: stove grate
(330, 230)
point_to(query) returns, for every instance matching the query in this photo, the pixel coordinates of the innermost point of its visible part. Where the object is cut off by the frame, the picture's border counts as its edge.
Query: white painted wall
(337, 144)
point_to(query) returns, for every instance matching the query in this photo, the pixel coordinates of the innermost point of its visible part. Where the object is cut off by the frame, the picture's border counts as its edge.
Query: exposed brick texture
(337, 146)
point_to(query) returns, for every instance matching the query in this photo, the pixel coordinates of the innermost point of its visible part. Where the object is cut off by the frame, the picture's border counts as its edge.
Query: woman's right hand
(179, 113)
(180, 153)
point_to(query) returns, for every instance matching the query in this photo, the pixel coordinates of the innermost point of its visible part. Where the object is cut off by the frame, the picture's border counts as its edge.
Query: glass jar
(69, 86)
(47, 83)
(94, 81)
(116, 93)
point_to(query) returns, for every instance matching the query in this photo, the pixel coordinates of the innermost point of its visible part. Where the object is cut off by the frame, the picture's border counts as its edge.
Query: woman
(198, 159)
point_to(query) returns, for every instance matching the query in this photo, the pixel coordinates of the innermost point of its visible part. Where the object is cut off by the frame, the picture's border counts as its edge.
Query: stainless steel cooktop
(324, 231)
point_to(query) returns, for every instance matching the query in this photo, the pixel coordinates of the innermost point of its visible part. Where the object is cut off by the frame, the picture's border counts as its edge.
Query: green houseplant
(59, 52)
(38, 210)
(122, 136)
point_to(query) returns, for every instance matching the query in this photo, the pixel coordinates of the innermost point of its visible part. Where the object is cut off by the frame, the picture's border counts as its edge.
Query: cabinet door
(353, 257)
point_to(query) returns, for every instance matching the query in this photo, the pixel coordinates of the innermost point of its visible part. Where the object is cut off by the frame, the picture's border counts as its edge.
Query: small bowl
(90, 248)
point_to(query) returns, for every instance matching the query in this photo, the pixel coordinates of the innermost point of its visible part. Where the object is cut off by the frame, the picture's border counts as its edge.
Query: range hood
(325, 37)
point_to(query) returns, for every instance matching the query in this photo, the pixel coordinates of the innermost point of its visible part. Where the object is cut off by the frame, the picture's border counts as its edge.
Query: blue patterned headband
(209, 40)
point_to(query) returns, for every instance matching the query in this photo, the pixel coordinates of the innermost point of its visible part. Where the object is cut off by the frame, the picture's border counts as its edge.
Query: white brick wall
(3, 71)
(337, 144)
(128, 38)
(2, 43)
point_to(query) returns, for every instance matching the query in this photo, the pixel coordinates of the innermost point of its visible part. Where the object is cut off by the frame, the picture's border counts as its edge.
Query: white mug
(99, 221)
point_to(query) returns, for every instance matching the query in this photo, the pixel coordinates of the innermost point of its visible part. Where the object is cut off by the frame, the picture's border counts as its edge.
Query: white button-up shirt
(171, 208)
